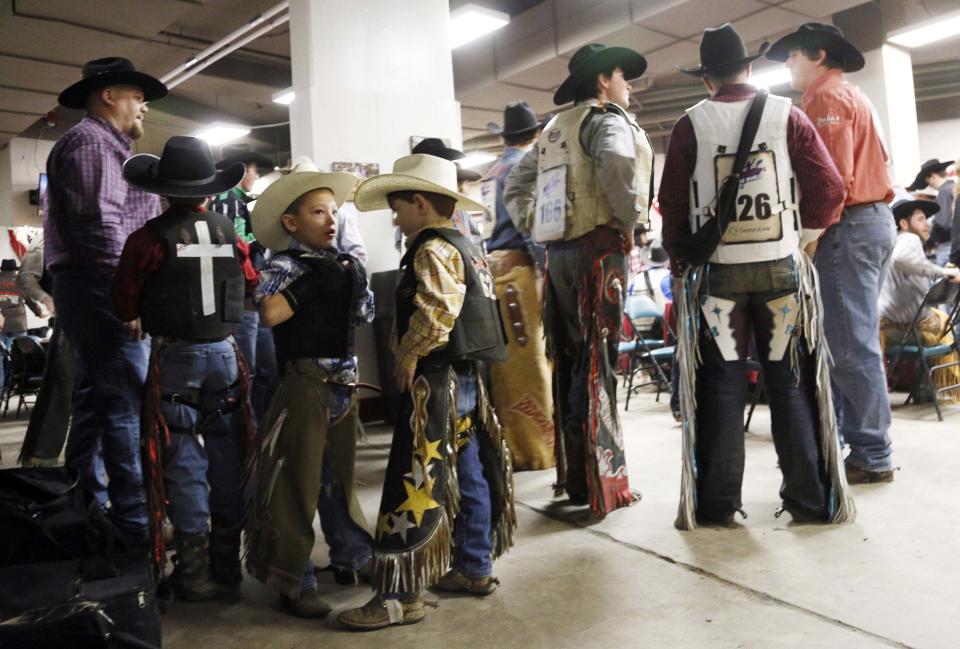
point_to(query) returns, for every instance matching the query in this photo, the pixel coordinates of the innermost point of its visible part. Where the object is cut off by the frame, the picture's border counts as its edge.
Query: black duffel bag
(78, 625)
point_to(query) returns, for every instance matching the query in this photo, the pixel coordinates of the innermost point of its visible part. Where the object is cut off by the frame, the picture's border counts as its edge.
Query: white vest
(766, 224)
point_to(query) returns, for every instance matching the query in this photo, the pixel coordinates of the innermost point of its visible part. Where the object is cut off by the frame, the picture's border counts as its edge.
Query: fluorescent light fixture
(929, 31)
(472, 21)
(284, 97)
(221, 133)
(476, 159)
(770, 78)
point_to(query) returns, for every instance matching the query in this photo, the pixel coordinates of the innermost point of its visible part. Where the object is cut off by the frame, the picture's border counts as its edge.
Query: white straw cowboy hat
(417, 172)
(274, 201)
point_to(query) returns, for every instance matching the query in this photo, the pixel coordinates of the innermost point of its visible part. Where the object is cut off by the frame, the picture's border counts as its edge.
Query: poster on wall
(362, 169)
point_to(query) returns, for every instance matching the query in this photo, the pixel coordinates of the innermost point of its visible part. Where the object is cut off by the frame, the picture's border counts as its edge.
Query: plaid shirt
(281, 270)
(441, 287)
(92, 209)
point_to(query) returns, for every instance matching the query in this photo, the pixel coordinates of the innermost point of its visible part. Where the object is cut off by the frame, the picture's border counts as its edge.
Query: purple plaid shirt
(91, 208)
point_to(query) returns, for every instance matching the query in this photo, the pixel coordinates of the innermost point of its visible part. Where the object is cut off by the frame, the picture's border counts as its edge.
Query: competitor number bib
(488, 198)
(757, 214)
(550, 218)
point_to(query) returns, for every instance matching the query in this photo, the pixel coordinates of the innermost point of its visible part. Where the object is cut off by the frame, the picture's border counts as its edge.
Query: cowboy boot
(225, 556)
(191, 578)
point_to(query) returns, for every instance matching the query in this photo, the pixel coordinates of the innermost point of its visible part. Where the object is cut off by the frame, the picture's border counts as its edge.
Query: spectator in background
(933, 175)
(91, 212)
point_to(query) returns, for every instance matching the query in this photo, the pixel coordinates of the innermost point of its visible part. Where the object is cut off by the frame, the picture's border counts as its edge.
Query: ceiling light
(221, 133)
(476, 159)
(471, 21)
(770, 78)
(927, 32)
(284, 97)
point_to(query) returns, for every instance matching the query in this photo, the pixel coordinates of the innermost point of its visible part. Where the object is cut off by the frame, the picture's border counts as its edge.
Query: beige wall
(21, 163)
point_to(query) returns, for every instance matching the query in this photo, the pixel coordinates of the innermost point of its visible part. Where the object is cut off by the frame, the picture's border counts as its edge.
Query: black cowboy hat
(434, 146)
(928, 167)
(903, 209)
(8, 264)
(243, 153)
(590, 60)
(111, 71)
(185, 169)
(518, 118)
(821, 36)
(722, 50)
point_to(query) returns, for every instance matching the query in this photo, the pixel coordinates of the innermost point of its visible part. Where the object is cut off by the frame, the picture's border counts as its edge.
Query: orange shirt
(843, 117)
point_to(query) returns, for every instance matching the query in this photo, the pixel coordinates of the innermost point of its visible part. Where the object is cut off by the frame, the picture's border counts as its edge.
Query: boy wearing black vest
(182, 278)
(313, 297)
(448, 495)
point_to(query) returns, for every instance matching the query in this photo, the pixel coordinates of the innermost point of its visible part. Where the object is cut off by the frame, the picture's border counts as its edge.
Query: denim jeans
(106, 414)
(472, 547)
(204, 374)
(268, 374)
(722, 394)
(246, 337)
(852, 260)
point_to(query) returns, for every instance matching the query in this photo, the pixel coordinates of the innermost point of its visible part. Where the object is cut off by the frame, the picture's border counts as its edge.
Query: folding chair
(26, 370)
(911, 344)
(646, 353)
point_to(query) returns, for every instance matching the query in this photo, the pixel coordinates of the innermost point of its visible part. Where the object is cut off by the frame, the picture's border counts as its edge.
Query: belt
(465, 431)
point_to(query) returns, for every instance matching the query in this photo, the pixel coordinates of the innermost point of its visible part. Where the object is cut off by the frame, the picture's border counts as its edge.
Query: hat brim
(920, 180)
(632, 63)
(904, 209)
(246, 158)
(275, 199)
(141, 171)
(468, 175)
(726, 66)
(372, 193)
(850, 58)
(496, 129)
(75, 96)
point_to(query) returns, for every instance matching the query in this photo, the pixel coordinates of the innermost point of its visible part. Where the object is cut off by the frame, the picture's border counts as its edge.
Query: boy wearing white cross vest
(183, 277)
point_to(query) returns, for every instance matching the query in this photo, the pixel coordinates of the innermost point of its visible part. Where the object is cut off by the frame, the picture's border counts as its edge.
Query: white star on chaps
(205, 252)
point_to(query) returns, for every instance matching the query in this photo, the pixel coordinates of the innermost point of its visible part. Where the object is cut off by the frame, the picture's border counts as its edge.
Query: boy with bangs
(313, 297)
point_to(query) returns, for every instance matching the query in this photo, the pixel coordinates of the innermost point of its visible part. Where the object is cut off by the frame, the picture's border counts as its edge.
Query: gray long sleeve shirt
(608, 138)
(910, 276)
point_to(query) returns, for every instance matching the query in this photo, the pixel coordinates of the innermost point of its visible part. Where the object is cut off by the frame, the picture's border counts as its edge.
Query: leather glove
(308, 286)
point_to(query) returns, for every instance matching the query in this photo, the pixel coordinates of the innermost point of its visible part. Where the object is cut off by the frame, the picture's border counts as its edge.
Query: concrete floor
(889, 580)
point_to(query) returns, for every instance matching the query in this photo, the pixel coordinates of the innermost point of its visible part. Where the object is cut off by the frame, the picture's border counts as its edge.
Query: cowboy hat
(518, 118)
(243, 153)
(722, 51)
(184, 170)
(274, 201)
(590, 60)
(821, 36)
(435, 146)
(928, 167)
(416, 172)
(111, 71)
(903, 209)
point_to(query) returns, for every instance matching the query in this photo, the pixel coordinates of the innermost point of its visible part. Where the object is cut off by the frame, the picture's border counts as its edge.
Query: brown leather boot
(191, 578)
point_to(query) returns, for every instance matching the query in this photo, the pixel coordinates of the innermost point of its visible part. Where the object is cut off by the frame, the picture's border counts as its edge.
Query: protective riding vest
(477, 332)
(321, 327)
(197, 293)
(570, 200)
(766, 225)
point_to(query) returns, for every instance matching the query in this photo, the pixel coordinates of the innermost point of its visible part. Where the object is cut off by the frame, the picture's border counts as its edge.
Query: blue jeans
(852, 260)
(106, 414)
(268, 374)
(205, 375)
(472, 548)
(246, 337)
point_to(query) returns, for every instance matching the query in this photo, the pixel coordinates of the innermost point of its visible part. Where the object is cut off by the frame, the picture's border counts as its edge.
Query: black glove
(309, 286)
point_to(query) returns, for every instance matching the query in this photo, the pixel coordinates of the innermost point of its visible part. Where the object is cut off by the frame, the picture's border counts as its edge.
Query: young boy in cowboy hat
(447, 321)
(581, 191)
(313, 297)
(461, 218)
(184, 276)
(853, 255)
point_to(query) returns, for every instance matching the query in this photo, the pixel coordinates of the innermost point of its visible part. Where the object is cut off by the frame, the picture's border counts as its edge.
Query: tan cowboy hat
(275, 200)
(417, 172)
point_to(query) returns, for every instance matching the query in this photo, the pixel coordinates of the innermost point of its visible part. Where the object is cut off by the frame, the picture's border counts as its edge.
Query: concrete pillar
(368, 75)
(887, 79)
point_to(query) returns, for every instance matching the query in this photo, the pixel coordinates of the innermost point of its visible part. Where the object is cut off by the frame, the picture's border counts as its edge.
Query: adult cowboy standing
(91, 212)
(581, 191)
(756, 278)
(854, 254)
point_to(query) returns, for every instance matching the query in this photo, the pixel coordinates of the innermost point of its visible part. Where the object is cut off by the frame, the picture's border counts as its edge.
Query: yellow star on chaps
(418, 500)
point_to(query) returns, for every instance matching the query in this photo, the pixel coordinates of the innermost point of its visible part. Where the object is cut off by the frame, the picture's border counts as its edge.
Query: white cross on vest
(205, 251)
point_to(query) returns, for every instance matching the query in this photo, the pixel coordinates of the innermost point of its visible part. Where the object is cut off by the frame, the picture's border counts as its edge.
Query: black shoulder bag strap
(697, 248)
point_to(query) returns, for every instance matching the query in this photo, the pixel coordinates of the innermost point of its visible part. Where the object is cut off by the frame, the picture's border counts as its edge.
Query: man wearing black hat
(933, 174)
(91, 212)
(757, 280)
(255, 341)
(461, 218)
(853, 255)
(184, 275)
(581, 191)
(521, 388)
